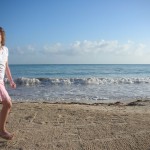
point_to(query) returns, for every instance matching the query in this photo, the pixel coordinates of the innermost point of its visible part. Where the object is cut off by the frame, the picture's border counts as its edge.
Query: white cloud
(85, 47)
(24, 50)
(52, 49)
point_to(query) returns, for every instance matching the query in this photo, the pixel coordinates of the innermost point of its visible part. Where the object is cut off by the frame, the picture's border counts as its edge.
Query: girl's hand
(13, 84)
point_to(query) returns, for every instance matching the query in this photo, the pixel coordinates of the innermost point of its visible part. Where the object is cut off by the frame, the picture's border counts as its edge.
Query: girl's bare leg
(3, 118)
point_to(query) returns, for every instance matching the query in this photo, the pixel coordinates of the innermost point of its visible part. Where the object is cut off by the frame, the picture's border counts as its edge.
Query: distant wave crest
(82, 81)
(25, 81)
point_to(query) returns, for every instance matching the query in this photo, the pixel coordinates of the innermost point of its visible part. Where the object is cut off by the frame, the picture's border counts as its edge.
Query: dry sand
(44, 126)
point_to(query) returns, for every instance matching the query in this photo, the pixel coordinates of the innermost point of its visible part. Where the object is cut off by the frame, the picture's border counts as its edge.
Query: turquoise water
(78, 83)
(91, 70)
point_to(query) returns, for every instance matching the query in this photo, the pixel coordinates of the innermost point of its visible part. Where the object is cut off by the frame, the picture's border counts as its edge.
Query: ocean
(85, 83)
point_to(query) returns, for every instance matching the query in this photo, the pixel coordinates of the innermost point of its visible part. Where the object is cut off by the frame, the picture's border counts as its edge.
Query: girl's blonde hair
(2, 32)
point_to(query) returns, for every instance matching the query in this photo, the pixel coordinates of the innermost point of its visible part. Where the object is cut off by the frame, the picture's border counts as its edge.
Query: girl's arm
(8, 74)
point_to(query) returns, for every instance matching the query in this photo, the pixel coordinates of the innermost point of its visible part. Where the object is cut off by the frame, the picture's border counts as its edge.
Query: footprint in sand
(29, 118)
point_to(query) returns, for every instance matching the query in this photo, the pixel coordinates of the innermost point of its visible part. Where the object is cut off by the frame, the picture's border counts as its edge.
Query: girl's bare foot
(6, 135)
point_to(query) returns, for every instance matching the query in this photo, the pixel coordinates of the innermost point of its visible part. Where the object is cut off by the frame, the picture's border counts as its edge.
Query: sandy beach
(45, 126)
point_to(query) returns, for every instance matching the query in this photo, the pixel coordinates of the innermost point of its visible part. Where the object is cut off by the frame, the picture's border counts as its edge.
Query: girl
(4, 96)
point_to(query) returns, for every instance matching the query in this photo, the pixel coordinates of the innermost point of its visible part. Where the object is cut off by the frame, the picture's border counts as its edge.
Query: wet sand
(45, 126)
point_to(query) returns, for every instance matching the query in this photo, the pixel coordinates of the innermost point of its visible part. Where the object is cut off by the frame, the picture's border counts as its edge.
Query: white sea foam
(25, 81)
(79, 81)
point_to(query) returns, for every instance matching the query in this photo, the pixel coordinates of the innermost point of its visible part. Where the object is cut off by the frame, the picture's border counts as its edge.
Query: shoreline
(66, 126)
(101, 102)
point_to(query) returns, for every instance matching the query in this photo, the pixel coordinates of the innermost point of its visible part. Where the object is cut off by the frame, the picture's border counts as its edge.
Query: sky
(76, 31)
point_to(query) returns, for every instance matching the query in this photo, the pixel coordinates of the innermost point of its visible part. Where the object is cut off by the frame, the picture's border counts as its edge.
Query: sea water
(87, 83)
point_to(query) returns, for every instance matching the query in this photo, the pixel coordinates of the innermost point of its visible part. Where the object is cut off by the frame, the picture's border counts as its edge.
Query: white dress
(3, 60)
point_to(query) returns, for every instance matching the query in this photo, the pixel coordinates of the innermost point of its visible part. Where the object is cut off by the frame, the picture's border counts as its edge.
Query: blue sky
(77, 31)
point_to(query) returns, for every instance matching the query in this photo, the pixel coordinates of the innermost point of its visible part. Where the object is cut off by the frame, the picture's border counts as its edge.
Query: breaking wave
(81, 81)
